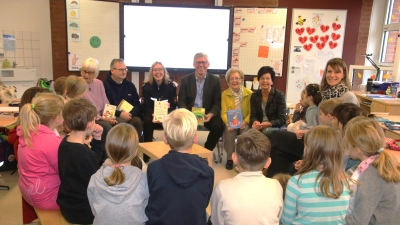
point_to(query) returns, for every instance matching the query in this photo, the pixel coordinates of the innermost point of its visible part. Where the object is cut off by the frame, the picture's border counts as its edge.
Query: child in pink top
(38, 150)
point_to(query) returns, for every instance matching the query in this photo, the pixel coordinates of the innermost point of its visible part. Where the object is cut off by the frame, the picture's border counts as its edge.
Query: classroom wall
(59, 39)
(30, 16)
(356, 34)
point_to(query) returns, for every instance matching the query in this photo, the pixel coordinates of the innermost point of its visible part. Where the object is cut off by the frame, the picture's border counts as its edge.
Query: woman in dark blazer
(268, 105)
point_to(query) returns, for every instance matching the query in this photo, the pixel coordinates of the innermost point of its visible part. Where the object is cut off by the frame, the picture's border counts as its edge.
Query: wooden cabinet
(391, 106)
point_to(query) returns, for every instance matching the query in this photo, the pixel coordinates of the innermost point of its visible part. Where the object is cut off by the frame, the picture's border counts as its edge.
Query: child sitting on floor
(376, 195)
(243, 199)
(77, 162)
(118, 191)
(320, 182)
(180, 184)
(311, 97)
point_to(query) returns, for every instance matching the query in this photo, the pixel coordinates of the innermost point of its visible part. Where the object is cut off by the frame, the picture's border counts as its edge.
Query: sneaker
(229, 164)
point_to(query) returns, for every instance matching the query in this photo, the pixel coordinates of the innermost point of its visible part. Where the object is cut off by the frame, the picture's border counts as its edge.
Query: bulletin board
(258, 39)
(317, 35)
(92, 32)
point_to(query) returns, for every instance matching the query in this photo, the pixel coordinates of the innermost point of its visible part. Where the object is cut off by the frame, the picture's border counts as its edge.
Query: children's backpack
(7, 157)
(44, 83)
(7, 93)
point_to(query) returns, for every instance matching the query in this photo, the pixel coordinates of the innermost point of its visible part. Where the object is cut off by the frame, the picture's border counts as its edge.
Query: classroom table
(394, 134)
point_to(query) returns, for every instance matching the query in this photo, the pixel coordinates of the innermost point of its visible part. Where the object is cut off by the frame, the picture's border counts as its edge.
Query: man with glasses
(118, 88)
(203, 90)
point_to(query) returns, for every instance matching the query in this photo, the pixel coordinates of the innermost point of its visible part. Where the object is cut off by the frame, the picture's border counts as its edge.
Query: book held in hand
(109, 110)
(160, 110)
(235, 118)
(199, 113)
(125, 106)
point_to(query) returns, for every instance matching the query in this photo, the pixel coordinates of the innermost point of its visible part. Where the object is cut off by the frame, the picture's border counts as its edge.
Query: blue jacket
(125, 90)
(180, 187)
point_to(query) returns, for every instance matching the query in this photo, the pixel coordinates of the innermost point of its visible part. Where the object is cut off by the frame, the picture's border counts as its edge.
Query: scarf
(238, 98)
(366, 162)
(335, 91)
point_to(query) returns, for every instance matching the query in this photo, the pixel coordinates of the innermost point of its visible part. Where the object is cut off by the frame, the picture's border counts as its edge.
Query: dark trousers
(285, 150)
(136, 122)
(148, 128)
(216, 127)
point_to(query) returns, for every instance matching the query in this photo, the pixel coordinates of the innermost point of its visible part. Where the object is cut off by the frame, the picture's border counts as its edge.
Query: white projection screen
(173, 34)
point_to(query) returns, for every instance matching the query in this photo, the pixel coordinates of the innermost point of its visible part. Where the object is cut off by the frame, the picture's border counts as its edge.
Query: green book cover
(199, 113)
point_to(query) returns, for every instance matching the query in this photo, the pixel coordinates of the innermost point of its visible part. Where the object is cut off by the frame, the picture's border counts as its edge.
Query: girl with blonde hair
(118, 191)
(75, 87)
(38, 150)
(320, 182)
(376, 195)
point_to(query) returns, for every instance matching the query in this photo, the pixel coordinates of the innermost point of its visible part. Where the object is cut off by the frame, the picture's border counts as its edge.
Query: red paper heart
(332, 44)
(310, 30)
(336, 26)
(314, 39)
(324, 28)
(324, 39)
(320, 46)
(300, 31)
(307, 47)
(335, 36)
(303, 39)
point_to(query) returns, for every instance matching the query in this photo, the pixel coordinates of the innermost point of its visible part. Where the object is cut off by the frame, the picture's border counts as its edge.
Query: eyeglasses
(121, 70)
(87, 72)
(202, 62)
(158, 69)
(235, 78)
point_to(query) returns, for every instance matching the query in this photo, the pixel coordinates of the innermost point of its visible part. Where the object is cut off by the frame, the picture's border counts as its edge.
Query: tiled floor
(10, 200)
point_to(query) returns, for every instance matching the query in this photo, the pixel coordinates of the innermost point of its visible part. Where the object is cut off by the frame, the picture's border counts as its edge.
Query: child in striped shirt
(319, 193)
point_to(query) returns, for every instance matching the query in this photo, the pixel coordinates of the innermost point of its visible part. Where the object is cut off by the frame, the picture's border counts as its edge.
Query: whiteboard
(87, 22)
(258, 39)
(317, 35)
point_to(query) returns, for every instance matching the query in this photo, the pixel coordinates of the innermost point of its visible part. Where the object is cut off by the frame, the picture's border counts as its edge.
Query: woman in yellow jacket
(235, 97)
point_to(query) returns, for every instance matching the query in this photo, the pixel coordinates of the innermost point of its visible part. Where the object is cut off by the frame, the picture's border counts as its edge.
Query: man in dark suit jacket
(203, 90)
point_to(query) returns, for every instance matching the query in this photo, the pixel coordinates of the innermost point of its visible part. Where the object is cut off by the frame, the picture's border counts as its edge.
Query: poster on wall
(316, 36)
(258, 39)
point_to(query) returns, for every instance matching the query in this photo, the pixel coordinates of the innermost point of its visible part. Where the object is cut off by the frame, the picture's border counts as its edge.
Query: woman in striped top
(319, 193)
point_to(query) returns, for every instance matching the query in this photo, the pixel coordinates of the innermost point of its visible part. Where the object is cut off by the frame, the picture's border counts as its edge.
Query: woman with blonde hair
(38, 150)
(118, 191)
(236, 97)
(157, 87)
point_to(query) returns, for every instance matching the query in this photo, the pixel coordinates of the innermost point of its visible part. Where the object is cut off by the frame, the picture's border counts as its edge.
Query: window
(390, 32)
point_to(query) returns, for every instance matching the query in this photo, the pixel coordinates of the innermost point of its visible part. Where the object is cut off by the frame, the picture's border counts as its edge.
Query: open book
(235, 118)
(125, 106)
(199, 113)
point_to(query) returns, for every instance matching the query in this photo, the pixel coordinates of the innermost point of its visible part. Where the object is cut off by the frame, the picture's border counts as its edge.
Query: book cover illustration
(109, 110)
(160, 110)
(235, 118)
(199, 113)
(125, 106)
